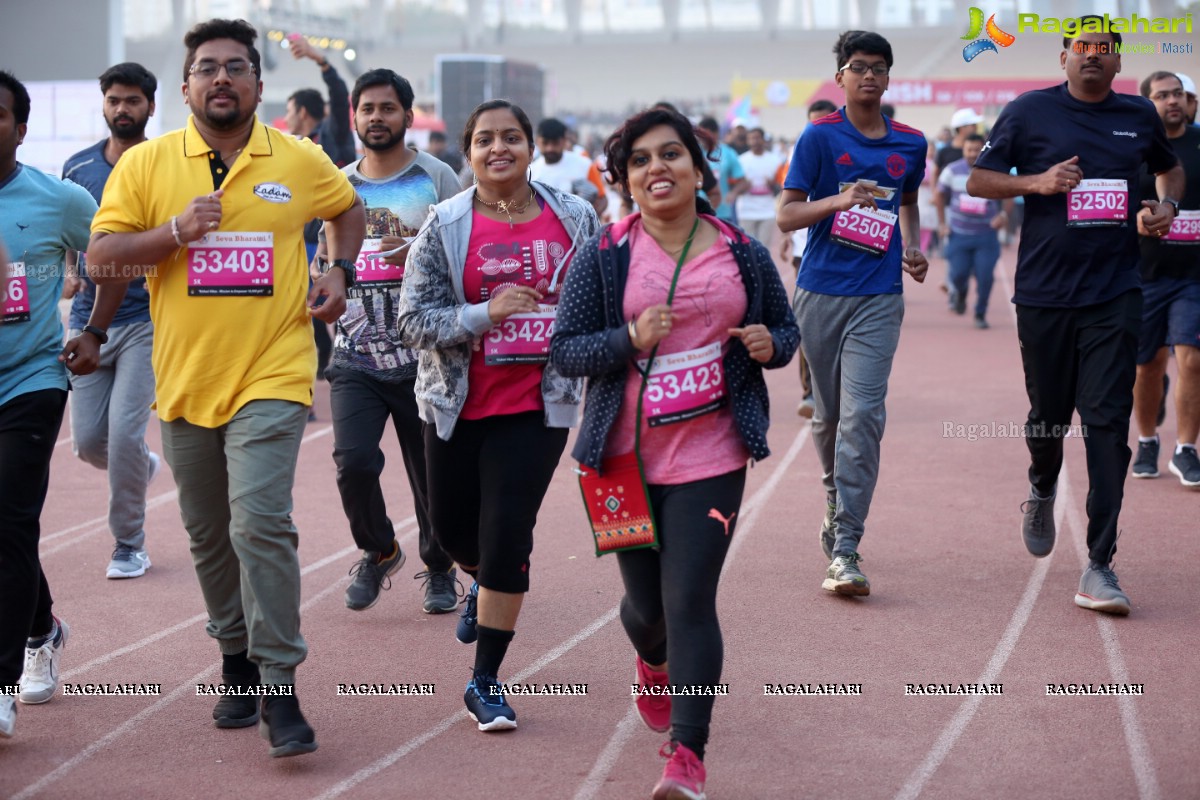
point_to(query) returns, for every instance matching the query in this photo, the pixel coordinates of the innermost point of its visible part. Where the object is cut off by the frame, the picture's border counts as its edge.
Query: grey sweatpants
(849, 343)
(235, 497)
(109, 411)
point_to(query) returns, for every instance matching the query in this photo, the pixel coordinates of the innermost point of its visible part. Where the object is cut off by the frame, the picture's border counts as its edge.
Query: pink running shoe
(683, 777)
(654, 709)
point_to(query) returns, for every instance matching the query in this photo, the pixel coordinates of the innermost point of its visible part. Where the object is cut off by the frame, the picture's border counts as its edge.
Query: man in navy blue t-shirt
(111, 406)
(1078, 149)
(853, 183)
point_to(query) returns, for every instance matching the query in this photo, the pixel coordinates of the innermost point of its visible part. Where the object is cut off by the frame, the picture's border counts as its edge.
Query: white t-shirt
(566, 175)
(758, 202)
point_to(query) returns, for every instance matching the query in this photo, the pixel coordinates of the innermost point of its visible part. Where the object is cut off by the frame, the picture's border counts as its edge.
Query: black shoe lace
(370, 570)
(442, 582)
(1038, 506)
(1108, 577)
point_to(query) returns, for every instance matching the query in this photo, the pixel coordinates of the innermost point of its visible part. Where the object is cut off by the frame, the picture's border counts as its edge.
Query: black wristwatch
(1172, 203)
(344, 264)
(99, 333)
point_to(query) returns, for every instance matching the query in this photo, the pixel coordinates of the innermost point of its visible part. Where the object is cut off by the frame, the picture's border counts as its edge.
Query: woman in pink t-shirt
(480, 294)
(704, 410)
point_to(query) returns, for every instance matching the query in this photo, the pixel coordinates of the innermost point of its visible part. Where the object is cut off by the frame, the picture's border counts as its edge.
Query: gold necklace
(507, 207)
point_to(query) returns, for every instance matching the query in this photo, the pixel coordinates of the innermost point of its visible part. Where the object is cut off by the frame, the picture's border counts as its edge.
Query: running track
(955, 599)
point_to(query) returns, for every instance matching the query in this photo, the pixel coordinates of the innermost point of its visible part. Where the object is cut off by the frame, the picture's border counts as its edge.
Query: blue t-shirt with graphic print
(830, 155)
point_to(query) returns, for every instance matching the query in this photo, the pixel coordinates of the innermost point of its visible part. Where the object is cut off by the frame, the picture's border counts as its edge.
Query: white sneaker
(128, 563)
(155, 467)
(8, 715)
(39, 681)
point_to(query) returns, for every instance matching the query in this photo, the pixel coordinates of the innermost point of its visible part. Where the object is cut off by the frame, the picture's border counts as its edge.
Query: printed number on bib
(972, 205)
(373, 272)
(862, 228)
(233, 263)
(1185, 229)
(521, 339)
(1094, 203)
(682, 386)
(16, 293)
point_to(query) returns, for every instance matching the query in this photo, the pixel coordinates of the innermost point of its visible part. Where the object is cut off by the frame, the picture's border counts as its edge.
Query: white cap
(1189, 85)
(963, 117)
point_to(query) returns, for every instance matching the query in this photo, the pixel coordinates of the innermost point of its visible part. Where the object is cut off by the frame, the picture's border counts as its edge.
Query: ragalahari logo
(995, 36)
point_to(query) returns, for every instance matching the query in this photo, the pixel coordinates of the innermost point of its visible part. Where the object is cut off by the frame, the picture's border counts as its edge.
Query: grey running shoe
(127, 562)
(1145, 465)
(1099, 590)
(442, 591)
(1037, 529)
(829, 530)
(807, 407)
(844, 577)
(1185, 465)
(370, 575)
(981, 322)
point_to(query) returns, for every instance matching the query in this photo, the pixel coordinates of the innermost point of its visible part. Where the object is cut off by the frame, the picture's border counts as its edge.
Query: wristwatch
(99, 333)
(1173, 203)
(344, 264)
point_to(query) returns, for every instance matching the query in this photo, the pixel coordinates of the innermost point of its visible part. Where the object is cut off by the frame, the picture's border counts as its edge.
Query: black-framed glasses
(860, 68)
(238, 68)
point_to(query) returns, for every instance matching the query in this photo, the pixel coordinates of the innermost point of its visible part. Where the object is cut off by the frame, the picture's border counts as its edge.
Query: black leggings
(670, 605)
(485, 490)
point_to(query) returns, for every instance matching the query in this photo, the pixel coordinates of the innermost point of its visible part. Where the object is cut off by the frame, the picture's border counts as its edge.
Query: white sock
(1179, 446)
(1148, 439)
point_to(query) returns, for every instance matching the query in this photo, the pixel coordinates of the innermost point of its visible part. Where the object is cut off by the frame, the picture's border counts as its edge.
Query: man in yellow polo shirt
(213, 216)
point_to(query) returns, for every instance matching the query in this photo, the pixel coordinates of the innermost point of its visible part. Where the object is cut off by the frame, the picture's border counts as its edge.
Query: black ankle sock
(696, 747)
(490, 649)
(238, 664)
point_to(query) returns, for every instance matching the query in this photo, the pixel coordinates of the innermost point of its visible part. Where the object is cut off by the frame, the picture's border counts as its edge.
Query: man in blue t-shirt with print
(853, 183)
(371, 375)
(1078, 149)
(111, 406)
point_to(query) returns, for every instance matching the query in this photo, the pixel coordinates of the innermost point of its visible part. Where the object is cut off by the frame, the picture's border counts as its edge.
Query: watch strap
(346, 265)
(99, 333)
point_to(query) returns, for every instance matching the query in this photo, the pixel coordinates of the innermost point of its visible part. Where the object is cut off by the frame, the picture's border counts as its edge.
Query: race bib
(233, 263)
(862, 228)
(1098, 203)
(373, 272)
(682, 386)
(1185, 229)
(521, 339)
(16, 298)
(972, 205)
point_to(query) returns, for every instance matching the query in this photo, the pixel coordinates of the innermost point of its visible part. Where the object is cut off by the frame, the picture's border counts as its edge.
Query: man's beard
(386, 144)
(223, 120)
(136, 130)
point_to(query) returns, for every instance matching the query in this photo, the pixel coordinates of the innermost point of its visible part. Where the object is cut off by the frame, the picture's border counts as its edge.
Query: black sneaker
(1037, 528)
(467, 629)
(1162, 404)
(235, 710)
(487, 706)
(370, 575)
(284, 726)
(442, 591)
(981, 322)
(958, 302)
(844, 577)
(1145, 465)
(829, 530)
(1185, 465)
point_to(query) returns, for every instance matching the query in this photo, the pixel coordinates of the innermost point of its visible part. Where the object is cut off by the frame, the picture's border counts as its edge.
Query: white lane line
(1139, 749)
(625, 729)
(1004, 648)
(117, 732)
(459, 717)
(98, 524)
(131, 723)
(187, 623)
(61, 442)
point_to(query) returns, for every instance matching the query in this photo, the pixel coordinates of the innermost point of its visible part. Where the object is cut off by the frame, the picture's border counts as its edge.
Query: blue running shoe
(487, 706)
(467, 620)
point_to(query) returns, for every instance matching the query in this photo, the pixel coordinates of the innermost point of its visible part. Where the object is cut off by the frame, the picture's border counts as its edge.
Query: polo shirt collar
(194, 144)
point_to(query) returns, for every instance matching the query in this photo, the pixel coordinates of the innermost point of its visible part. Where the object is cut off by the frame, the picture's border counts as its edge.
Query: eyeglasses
(859, 68)
(210, 69)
